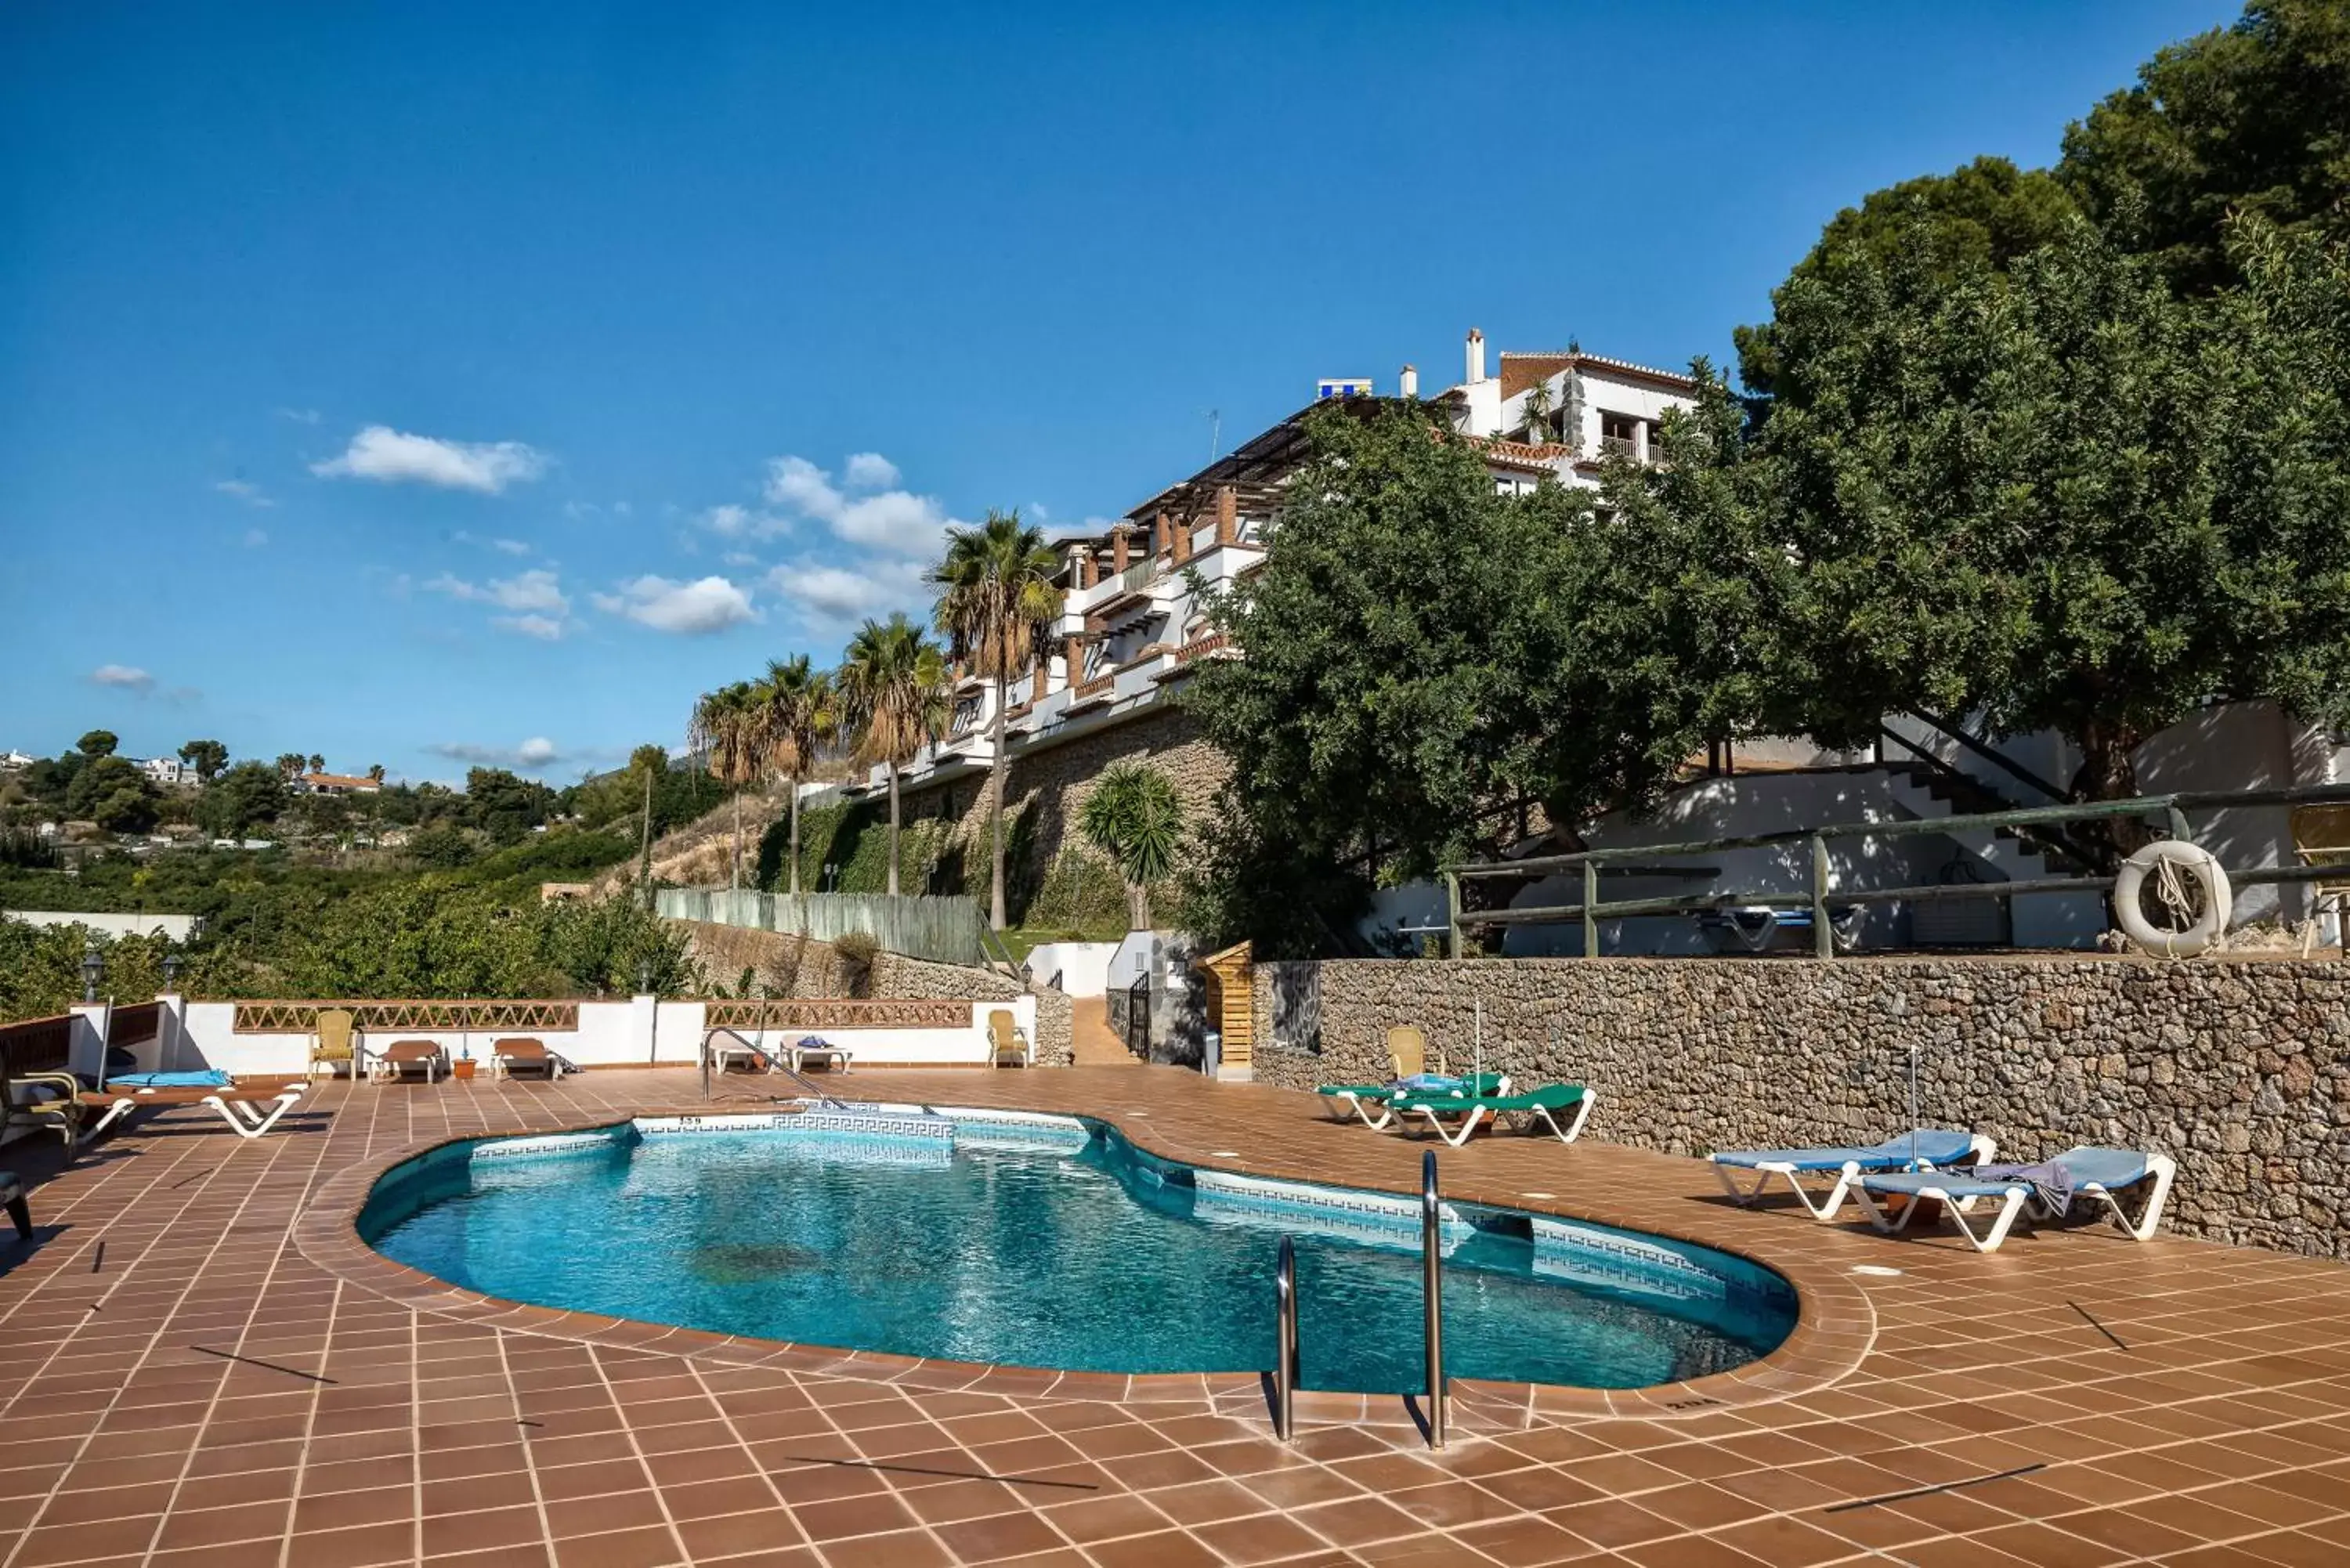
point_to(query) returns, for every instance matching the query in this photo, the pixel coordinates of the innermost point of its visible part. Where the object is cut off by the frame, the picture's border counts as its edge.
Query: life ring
(2172, 862)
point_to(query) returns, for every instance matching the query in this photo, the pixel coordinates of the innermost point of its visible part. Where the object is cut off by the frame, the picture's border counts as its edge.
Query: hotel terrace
(208, 1358)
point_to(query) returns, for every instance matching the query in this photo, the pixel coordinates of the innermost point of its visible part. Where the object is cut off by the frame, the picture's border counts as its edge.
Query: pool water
(1062, 1248)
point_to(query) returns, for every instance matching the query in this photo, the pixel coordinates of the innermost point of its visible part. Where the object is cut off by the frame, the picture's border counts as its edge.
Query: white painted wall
(1084, 967)
(621, 1033)
(178, 928)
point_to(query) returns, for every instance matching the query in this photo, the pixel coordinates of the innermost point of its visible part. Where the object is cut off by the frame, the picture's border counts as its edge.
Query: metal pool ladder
(1285, 1350)
(1431, 1266)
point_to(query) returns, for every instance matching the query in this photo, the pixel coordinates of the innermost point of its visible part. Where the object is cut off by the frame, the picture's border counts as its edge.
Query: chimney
(1228, 506)
(1409, 385)
(1476, 357)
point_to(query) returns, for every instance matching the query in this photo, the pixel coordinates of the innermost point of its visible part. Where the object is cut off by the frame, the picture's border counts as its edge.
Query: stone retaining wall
(784, 964)
(2238, 1068)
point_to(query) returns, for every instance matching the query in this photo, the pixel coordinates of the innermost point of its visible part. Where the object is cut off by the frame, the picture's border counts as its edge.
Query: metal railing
(1432, 1274)
(2171, 809)
(1285, 1342)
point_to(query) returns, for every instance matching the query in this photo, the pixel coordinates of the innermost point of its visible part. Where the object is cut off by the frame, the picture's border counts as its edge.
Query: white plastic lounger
(242, 1109)
(1928, 1147)
(2098, 1173)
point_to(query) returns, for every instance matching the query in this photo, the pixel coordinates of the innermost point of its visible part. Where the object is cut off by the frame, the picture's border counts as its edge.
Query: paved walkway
(185, 1386)
(1093, 1042)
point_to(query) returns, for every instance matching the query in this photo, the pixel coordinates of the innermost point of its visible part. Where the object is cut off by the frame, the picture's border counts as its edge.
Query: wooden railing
(36, 1046)
(135, 1024)
(375, 1017)
(830, 1012)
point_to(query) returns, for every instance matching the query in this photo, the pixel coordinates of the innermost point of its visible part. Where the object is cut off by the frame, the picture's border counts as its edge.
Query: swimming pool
(1049, 1242)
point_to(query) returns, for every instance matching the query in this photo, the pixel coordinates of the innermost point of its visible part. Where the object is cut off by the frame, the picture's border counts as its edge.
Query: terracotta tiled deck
(187, 1385)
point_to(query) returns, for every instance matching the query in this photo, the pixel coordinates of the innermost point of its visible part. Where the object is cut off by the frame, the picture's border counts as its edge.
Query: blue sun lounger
(2096, 1173)
(1927, 1147)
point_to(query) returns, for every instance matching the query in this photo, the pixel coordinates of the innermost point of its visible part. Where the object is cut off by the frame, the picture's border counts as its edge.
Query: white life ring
(2171, 860)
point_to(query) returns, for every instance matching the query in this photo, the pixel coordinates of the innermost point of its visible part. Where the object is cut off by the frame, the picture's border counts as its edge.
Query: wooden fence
(947, 929)
(36, 1046)
(828, 1012)
(375, 1017)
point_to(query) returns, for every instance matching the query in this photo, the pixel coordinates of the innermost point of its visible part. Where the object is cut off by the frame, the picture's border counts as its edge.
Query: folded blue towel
(209, 1078)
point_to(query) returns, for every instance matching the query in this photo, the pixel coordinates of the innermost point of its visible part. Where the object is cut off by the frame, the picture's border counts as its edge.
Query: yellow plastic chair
(333, 1040)
(1407, 1051)
(2320, 837)
(1006, 1038)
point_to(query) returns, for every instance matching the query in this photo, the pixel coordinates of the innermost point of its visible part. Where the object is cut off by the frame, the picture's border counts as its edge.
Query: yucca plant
(1134, 818)
(894, 697)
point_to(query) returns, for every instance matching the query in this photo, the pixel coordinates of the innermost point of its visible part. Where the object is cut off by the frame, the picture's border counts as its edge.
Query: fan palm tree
(1537, 407)
(725, 729)
(995, 600)
(796, 714)
(895, 700)
(1133, 817)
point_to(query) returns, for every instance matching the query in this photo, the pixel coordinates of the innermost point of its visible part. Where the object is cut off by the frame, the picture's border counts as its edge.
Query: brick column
(1044, 670)
(1182, 540)
(1074, 654)
(1228, 502)
(1120, 545)
(1164, 544)
(1090, 573)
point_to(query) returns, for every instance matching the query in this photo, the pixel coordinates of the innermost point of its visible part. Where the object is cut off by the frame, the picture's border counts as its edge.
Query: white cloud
(547, 628)
(502, 546)
(739, 522)
(532, 755)
(894, 520)
(391, 456)
(706, 605)
(869, 470)
(828, 592)
(739, 559)
(299, 416)
(123, 678)
(536, 589)
(254, 538)
(245, 490)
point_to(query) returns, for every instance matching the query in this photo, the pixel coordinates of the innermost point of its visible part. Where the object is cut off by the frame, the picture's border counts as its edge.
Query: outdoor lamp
(172, 971)
(644, 977)
(93, 970)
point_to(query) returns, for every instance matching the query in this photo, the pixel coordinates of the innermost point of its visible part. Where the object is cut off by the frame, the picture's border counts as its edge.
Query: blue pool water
(1051, 1245)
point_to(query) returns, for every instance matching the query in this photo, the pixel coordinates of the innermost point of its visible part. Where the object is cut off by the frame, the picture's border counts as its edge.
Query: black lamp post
(93, 970)
(172, 972)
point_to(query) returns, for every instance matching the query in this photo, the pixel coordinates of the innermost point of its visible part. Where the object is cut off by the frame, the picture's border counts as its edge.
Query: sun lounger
(510, 1056)
(403, 1058)
(242, 1108)
(1543, 1106)
(727, 1048)
(1374, 1102)
(1932, 1147)
(2096, 1173)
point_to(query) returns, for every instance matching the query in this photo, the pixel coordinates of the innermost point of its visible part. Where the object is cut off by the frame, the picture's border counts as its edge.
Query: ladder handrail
(1431, 1250)
(1284, 1345)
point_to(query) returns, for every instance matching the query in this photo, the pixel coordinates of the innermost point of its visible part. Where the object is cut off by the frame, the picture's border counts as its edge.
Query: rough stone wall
(1053, 783)
(815, 970)
(2239, 1069)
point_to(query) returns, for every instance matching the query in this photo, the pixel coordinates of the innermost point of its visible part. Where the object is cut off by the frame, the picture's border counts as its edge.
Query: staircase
(1924, 792)
(1093, 1043)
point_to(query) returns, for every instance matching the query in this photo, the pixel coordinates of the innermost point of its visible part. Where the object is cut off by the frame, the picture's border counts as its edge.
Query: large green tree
(2252, 119)
(249, 796)
(2065, 497)
(206, 757)
(996, 602)
(895, 700)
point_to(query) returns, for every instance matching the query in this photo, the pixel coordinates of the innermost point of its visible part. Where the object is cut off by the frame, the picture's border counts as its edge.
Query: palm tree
(1537, 407)
(995, 599)
(318, 762)
(894, 697)
(1134, 818)
(796, 711)
(725, 727)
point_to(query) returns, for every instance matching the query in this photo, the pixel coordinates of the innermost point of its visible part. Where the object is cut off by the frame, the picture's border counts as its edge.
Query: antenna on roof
(1215, 434)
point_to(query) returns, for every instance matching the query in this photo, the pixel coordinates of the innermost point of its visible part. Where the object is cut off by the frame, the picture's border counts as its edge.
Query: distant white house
(11, 760)
(166, 772)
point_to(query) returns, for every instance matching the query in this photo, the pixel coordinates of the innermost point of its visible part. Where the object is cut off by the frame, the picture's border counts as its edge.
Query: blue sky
(420, 384)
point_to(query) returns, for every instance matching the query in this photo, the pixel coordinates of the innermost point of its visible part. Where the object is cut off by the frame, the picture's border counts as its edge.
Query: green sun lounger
(1543, 1105)
(1374, 1102)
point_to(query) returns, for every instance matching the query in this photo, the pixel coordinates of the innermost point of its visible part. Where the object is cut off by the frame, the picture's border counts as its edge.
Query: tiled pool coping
(1834, 1325)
